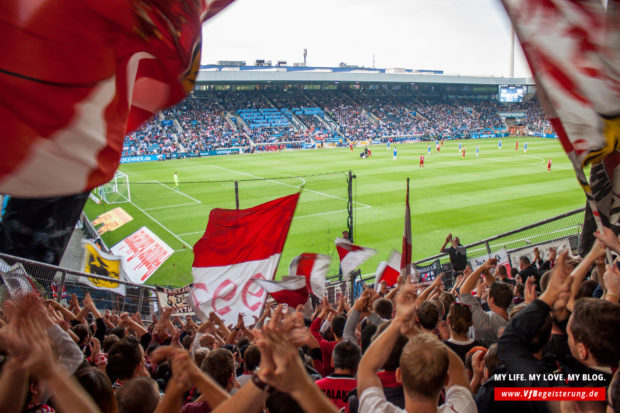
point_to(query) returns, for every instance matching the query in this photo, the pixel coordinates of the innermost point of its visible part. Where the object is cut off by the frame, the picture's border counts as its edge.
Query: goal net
(117, 190)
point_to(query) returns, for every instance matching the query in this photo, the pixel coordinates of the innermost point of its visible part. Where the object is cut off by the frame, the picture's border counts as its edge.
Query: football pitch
(473, 198)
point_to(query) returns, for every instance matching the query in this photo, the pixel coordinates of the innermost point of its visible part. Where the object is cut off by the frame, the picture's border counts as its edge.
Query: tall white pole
(512, 51)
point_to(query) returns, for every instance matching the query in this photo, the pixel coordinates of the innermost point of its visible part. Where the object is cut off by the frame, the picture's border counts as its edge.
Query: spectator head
(591, 338)
(384, 308)
(423, 367)
(524, 262)
(442, 311)
(82, 332)
(138, 395)
(516, 309)
(501, 272)
(98, 387)
(613, 394)
(187, 342)
(586, 289)
(108, 342)
(514, 272)
(457, 240)
(469, 359)
(338, 326)
(118, 332)
(368, 332)
(460, 318)
(447, 299)
(500, 294)
(220, 365)
(519, 290)
(199, 355)
(125, 359)
(251, 358)
(491, 360)
(428, 315)
(346, 356)
(279, 402)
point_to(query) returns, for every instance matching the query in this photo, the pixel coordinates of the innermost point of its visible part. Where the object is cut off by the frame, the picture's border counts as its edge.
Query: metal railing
(566, 225)
(45, 278)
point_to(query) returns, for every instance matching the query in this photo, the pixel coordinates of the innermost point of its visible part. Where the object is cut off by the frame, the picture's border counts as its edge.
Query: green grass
(472, 198)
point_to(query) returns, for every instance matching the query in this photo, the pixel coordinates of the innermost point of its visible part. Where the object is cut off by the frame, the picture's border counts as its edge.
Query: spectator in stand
(458, 255)
(336, 328)
(139, 395)
(426, 366)
(487, 324)
(337, 385)
(501, 273)
(459, 322)
(526, 270)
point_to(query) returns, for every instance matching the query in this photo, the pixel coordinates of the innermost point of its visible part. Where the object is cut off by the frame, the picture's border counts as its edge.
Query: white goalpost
(117, 190)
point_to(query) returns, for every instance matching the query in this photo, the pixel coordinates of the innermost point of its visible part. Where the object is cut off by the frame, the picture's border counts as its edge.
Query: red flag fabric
(237, 247)
(405, 261)
(94, 70)
(314, 268)
(573, 51)
(388, 271)
(292, 290)
(351, 255)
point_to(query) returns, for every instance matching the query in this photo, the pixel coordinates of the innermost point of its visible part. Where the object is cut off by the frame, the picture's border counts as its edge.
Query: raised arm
(472, 279)
(377, 354)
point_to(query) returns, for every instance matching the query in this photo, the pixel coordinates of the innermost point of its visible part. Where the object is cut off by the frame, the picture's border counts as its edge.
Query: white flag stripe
(288, 282)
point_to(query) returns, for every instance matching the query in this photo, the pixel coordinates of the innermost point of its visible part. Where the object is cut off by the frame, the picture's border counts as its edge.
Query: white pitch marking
(191, 233)
(161, 225)
(170, 206)
(289, 185)
(179, 192)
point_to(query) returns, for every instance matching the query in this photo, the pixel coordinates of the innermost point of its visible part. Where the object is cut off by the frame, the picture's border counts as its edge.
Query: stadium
(292, 125)
(262, 236)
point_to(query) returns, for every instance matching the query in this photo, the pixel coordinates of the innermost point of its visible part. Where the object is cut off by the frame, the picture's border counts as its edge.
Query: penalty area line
(178, 192)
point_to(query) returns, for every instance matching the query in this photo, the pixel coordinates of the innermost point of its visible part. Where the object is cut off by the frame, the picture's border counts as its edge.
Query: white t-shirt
(458, 400)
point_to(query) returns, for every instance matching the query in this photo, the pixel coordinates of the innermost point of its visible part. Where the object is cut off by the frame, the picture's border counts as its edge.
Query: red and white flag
(292, 290)
(314, 267)
(113, 66)
(351, 255)
(573, 51)
(238, 247)
(388, 271)
(405, 261)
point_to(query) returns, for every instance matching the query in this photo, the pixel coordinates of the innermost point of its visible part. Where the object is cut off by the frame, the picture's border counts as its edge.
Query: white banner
(143, 253)
(501, 256)
(559, 245)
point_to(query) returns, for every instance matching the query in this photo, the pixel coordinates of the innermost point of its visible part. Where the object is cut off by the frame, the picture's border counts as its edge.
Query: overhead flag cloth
(405, 259)
(314, 267)
(351, 255)
(388, 271)
(573, 51)
(239, 245)
(292, 290)
(114, 65)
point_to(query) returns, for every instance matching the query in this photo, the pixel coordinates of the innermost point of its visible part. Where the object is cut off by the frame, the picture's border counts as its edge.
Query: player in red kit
(517, 146)
(463, 151)
(421, 160)
(351, 147)
(549, 165)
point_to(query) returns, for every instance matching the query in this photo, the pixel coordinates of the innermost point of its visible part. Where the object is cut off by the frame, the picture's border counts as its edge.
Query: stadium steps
(368, 113)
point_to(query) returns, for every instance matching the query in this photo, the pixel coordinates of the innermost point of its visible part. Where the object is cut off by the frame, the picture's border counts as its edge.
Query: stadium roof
(298, 74)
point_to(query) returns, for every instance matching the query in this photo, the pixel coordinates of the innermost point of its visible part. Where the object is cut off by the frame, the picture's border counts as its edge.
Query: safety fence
(58, 284)
(565, 228)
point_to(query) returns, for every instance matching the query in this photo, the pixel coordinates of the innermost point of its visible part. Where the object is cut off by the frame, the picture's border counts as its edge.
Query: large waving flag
(314, 268)
(292, 290)
(351, 255)
(388, 271)
(405, 260)
(573, 51)
(237, 247)
(94, 71)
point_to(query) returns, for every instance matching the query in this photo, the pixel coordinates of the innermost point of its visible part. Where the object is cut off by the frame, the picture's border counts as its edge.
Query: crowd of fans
(212, 120)
(413, 347)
